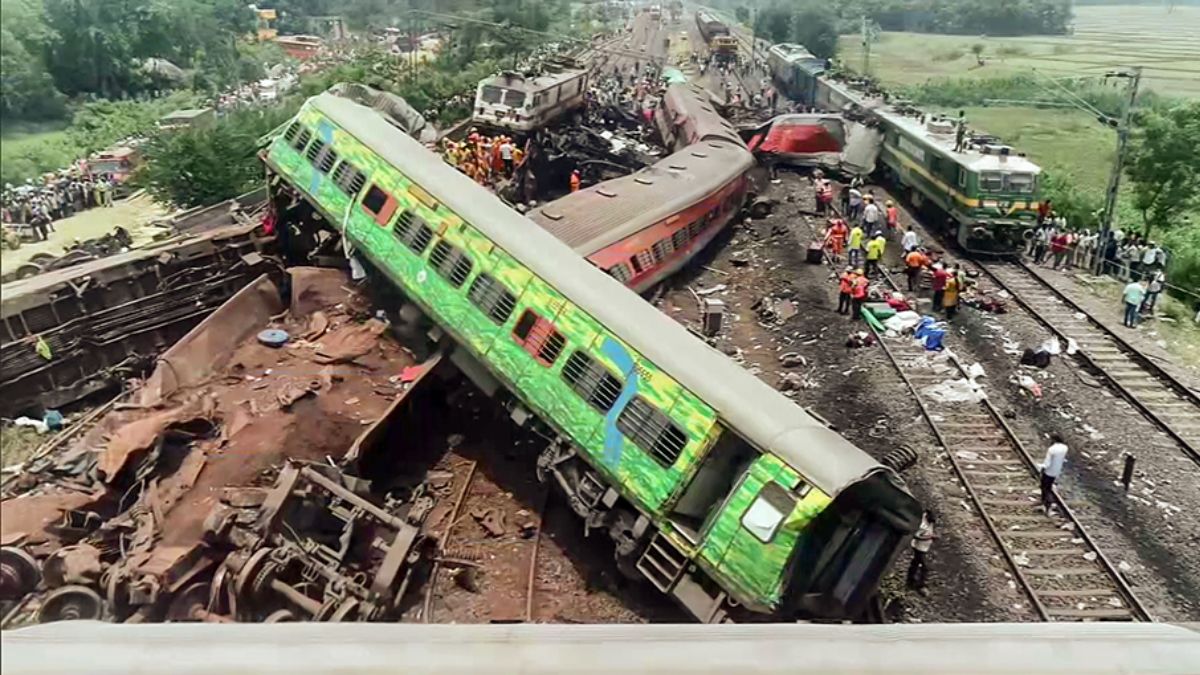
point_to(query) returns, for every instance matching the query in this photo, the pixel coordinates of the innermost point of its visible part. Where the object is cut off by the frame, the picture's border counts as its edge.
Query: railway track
(1157, 394)
(1052, 556)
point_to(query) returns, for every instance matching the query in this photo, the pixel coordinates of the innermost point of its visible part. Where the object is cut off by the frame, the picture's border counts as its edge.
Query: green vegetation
(1005, 97)
(28, 150)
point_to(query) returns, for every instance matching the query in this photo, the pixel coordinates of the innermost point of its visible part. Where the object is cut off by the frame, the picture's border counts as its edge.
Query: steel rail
(1135, 355)
(1137, 608)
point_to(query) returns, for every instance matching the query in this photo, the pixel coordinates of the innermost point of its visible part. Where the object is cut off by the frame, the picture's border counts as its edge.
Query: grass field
(1166, 44)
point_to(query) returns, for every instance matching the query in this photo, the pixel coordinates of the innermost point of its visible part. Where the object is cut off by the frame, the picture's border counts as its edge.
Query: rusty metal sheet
(139, 435)
(24, 519)
(316, 288)
(199, 353)
(368, 439)
(349, 342)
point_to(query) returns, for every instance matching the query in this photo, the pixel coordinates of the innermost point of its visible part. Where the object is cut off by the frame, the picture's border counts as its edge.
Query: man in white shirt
(921, 543)
(871, 217)
(1052, 466)
(911, 241)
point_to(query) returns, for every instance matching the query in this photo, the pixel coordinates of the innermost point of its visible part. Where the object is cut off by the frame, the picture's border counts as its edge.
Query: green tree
(197, 167)
(813, 27)
(1163, 165)
(26, 89)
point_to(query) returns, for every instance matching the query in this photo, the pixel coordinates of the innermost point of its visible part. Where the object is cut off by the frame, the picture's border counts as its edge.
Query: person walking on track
(845, 287)
(922, 541)
(1052, 466)
(1134, 294)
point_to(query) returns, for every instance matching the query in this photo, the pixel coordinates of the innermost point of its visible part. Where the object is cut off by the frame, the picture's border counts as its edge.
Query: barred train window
(492, 298)
(326, 160)
(645, 260)
(651, 431)
(679, 239)
(290, 134)
(313, 150)
(349, 178)
(451, 264)
(591, 381)
(302, 140)
(620, 272)
(539, 337)
(662, 249)
(412, 230)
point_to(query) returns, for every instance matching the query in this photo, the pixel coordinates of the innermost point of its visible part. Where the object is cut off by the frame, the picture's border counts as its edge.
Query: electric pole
(1114, 180)
(866, 43)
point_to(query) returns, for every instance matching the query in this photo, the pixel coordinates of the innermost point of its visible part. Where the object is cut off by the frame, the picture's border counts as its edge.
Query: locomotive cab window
(1019, 182)
(768, 511)
(991, 181)
(492, 94)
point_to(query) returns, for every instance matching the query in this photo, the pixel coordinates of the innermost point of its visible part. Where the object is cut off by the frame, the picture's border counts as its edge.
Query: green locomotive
(988, 192)
(713, 486)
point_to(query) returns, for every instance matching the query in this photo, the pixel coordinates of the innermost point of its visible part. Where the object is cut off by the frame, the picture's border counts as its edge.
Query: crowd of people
(33, 207)
(485, 159)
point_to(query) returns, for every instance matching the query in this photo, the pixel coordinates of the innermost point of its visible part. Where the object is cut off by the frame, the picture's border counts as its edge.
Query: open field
(1166, 44)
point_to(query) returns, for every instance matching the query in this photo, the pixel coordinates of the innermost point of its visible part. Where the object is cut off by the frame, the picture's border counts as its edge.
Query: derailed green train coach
(714, 487)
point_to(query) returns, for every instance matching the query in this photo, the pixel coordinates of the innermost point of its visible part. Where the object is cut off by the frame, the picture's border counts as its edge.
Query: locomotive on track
(713, 486)
(988, 191)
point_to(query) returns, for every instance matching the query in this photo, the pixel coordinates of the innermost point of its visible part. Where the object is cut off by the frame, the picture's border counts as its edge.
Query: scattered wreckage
(75, 331)
(224, 487)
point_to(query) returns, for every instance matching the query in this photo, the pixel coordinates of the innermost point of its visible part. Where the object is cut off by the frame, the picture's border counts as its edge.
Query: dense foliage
(790, 21)
(1164, 166)
(196, 167)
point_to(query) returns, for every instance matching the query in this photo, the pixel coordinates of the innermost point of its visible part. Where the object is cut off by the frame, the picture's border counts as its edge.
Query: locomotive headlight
(990, 203)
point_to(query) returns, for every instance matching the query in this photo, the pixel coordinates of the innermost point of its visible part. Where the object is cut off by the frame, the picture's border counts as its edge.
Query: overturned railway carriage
(712, 485)
(643, 227)
(988, 191)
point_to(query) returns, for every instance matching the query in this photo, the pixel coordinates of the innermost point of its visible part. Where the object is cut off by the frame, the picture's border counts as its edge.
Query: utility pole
(866, 42)
(1114, 180)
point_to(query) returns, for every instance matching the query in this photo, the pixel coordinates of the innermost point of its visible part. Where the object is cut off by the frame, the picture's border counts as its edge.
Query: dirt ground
(134, 214)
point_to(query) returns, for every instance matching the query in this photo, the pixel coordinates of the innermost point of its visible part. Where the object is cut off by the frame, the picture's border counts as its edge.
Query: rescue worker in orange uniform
(845, 286)
(914, 262)
(893, 216)
(858, 294)
(575, 180)
(835, 238)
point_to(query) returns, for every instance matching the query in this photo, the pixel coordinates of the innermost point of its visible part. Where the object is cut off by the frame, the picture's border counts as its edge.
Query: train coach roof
(971, 157)
(692, 106)
(603, 214)
(762, 415)
(535, 82)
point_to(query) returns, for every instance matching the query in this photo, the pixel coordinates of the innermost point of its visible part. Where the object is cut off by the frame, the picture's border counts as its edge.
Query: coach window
(325, 160)
(290, 134)
(620, 272)
(348, 179)
(302, 140)
(451, 263)
(651, 431)
(314, 151)
(662, 249)
(591, 381)
(679, 239)
(538, 337)
(962, 177)
(768, 512)
(645, 260)
(413, 231)
(492, 298)
(379, 204)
